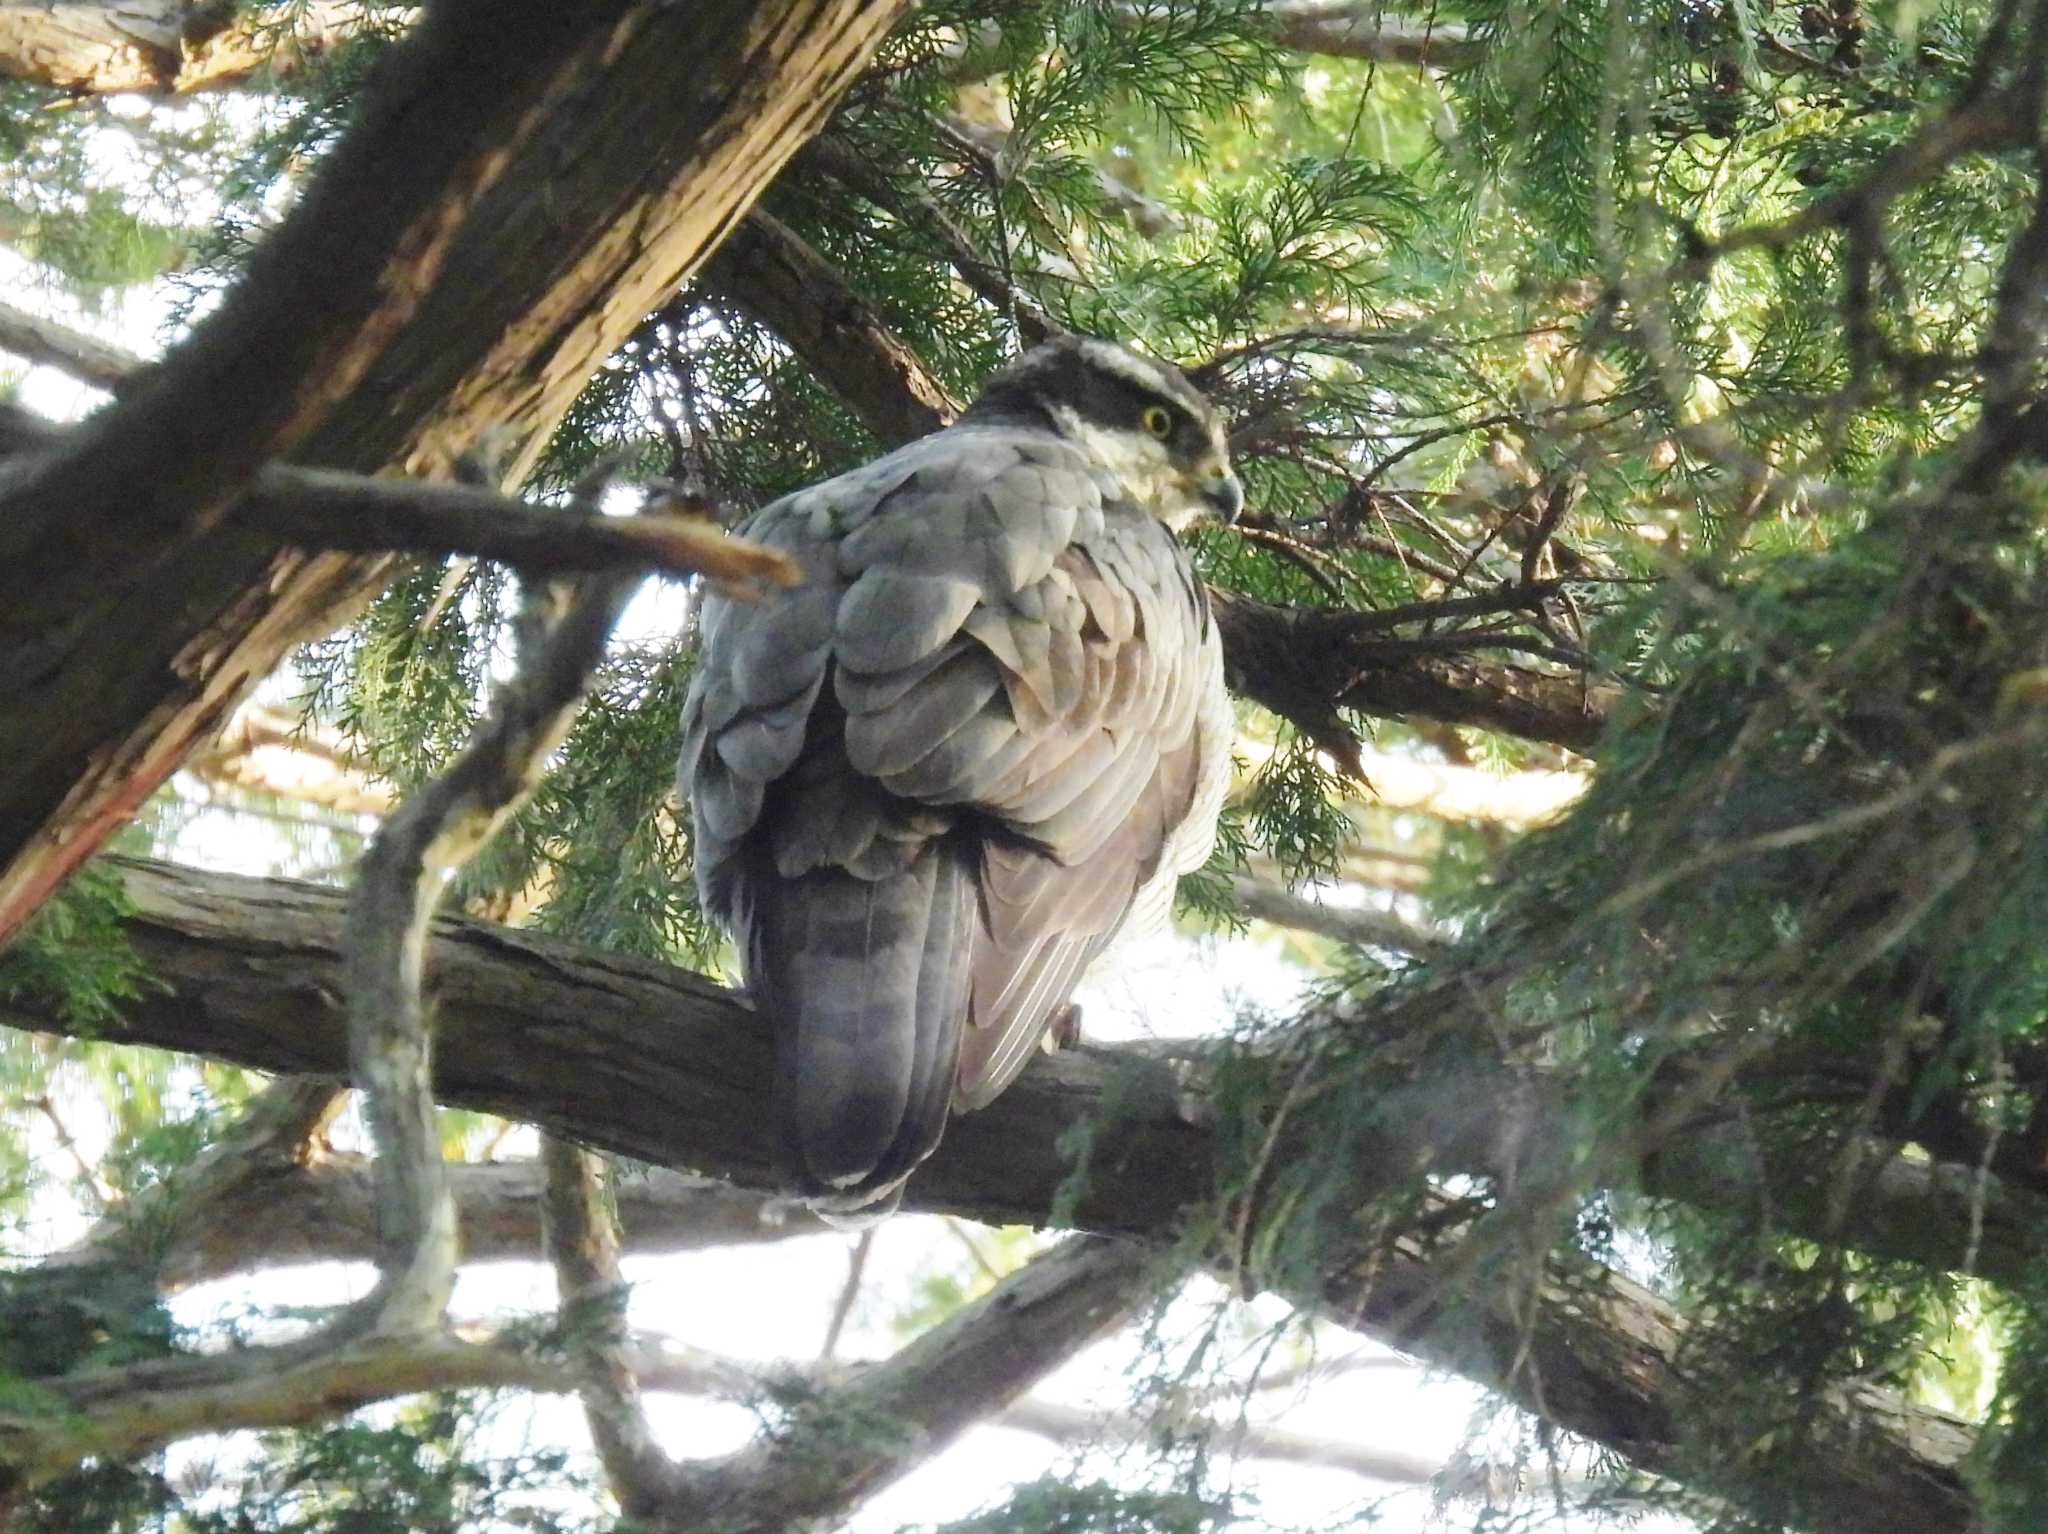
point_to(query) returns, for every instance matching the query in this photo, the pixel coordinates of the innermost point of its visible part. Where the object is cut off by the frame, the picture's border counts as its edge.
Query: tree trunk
(524, 184)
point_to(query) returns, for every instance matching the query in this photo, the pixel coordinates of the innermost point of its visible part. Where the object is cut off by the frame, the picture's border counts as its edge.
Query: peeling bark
(525, 183)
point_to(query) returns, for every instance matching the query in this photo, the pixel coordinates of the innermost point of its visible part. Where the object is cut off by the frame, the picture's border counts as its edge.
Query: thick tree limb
(660, 1065)
(524, 184)
(663, 1066)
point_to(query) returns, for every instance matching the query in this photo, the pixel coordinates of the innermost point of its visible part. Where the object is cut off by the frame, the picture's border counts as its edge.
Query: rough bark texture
(661, 1065)
(525, 183)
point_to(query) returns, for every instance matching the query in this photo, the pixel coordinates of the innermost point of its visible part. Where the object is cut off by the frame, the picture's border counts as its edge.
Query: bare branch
(85, 358)
(404, 873)
(849, 1291)
(767, 269)
(118, 1414)
(324, 509)
(321, 1207)
(1347, 924)
(849, 1441)
(1362, 29)
(319, 509)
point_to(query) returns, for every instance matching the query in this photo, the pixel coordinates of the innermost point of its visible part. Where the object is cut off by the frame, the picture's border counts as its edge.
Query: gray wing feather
(1013, 653)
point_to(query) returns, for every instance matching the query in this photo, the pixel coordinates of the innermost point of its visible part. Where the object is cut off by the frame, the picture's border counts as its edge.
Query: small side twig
(842, 1308)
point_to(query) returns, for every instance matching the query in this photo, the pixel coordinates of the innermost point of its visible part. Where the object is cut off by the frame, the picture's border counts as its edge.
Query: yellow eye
(1156, 420)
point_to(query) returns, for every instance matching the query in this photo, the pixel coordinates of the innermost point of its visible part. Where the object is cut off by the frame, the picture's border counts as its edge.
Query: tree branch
(272, 1139)
(765, 268)
(848, 1441)
(1353, 30)
(325, 509)
(603, 143)
(117, 1414)
(914, 206)
(583, 1244)
(320, 1207)
(404, 873)
(658, 1064)
(1363, 925)
(1306, 663)
(165, 47)
(85, 358)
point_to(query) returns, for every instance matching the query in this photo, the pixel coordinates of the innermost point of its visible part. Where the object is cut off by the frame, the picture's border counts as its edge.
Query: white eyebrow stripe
(1137, 371)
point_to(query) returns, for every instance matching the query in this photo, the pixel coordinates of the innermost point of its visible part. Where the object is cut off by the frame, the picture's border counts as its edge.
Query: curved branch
(854, 1438)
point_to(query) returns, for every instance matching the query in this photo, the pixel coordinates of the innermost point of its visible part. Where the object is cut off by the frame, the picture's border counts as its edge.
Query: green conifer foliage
(1652, 394)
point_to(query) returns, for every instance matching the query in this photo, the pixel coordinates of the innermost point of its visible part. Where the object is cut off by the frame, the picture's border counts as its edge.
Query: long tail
(866, 983)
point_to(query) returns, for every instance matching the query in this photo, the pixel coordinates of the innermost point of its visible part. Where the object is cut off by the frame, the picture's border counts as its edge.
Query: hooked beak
(1226, 495)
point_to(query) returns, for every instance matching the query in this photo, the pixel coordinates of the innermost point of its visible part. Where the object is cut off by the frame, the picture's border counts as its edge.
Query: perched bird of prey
(986, 735)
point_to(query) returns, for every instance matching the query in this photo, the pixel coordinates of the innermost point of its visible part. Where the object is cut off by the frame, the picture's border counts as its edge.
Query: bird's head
(1137, 418)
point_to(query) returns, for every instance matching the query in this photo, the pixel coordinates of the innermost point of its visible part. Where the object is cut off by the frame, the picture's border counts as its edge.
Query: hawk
(984, 738)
